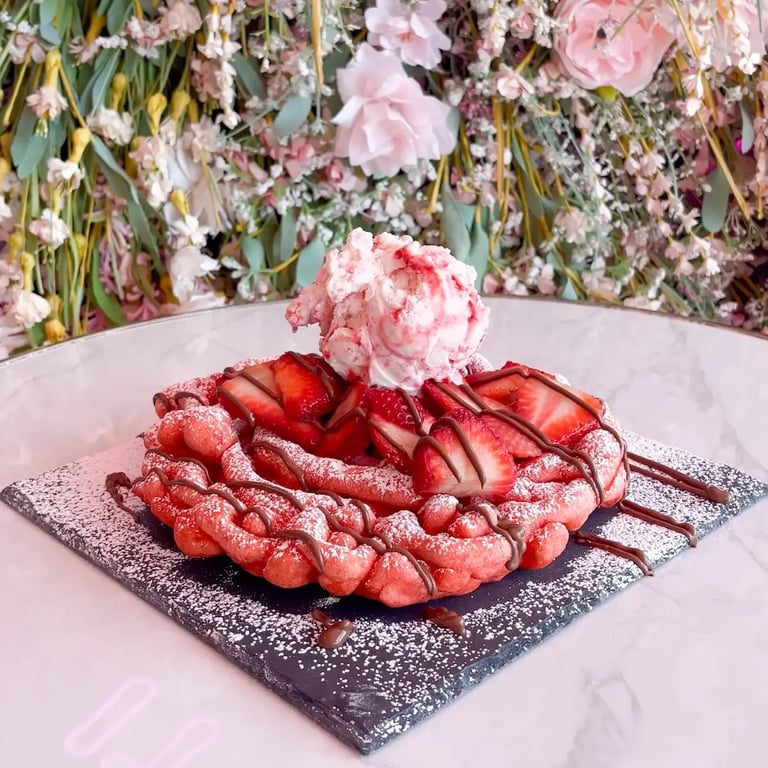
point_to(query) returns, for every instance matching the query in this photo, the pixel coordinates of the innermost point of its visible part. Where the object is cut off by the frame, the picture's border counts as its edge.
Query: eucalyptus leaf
(57, 135)
(27, 148)
(479, 252)
(253, 251)
(287, 241)
(128, 190)
(747, 129)
(106, 302)
(334, 61)
(310, 261)
(122, 184)
(143, 231)
(270, 240)
(292, 115)
(117, 15)
(714, 206)
(49, 10)
(467, 214)
(95, 92)
(569, 292)
(248, 76)
(455, 232)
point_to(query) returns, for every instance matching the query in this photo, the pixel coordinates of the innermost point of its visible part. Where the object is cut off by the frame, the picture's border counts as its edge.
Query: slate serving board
(397, 668)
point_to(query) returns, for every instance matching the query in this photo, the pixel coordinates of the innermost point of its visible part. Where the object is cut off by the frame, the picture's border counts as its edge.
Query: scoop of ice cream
(393, 313)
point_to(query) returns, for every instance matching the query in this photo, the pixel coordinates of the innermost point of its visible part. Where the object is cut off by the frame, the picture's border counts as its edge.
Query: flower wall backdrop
(159, 156)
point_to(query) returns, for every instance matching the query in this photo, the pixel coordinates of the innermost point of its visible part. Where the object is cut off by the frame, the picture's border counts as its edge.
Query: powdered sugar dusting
(396, 668)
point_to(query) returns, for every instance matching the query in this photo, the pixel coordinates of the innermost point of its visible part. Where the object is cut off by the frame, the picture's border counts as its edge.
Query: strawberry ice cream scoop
(393, 313)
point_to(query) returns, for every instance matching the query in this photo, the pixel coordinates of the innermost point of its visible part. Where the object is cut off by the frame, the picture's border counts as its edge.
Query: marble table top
(673, 672)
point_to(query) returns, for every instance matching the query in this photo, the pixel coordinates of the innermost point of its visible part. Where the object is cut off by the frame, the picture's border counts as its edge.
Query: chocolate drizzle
(677, 479)
(335, 633)
(308, 364)
(637, 556)
(173, 402)
(115, 483)
(512, 532)
(286, 459)
(380, 543)
(528, 429)
(185, 459)
(445, 618)
(659, 518)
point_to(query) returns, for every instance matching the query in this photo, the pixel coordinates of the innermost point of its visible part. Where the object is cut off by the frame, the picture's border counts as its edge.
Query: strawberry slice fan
(299, 476)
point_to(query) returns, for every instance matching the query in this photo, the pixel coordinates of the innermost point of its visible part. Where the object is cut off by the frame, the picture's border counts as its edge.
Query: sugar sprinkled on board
(396, 668)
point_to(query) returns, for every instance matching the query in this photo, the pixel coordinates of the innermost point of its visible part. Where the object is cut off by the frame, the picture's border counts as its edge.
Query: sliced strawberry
(445, 396)
(503, 426)
(253, 391)
(558, 416)
(347, 429)
(502, 384)
(396, 421)
(308, 386)
(462, 457)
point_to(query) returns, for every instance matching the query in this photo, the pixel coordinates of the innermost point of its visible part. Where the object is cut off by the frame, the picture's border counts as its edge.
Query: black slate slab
(397, 668)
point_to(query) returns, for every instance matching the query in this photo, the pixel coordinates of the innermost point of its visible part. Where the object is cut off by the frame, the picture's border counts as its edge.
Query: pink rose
(387, 123)
(618, 43)
(410, 29)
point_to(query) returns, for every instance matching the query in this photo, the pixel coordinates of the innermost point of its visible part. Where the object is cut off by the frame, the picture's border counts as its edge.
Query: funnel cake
(397, 497)
(397, 464)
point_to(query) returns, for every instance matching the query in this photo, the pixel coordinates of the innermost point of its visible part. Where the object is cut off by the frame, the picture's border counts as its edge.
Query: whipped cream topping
(392, 312)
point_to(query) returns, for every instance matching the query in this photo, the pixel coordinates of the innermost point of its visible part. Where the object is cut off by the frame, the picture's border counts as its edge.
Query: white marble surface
(673, 672)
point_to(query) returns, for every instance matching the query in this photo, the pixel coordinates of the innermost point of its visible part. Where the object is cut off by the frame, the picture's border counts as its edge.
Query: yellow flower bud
(179, 200)
(167, 288)
(54, 331)
(81, 138)
(52, 64)
(179, 102)
(193, 112)
(119, 87)
(81, 243)
(607, 92)
(156, 105)
(27, 263)
(55, 303)
(5, 145)
(5, 167)
(95, 26)
(15, 244)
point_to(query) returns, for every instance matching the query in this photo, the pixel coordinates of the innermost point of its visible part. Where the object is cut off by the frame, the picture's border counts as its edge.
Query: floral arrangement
(159, 156)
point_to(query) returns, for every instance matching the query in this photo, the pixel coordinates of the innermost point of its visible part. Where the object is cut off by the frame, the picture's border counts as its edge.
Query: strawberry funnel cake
(397, 464)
